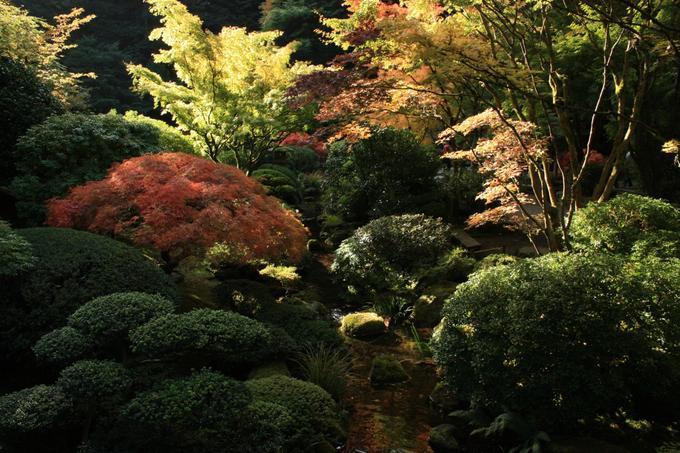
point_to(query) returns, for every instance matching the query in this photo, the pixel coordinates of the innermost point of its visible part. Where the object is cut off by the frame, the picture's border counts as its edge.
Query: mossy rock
(427, 311)
(269, 369)
(443, 439)
(386, 369)
(362, 325)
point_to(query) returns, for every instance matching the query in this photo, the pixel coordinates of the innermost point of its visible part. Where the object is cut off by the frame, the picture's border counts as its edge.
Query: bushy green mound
(110, 318)
(628, 224)
(566, 337)
(93, 381)
(281, 182)
(71, 268)
(386, 369)
(202, 412)
(33, 410)
(392, 253)
(388, 173)
(362, 325)
(231, 336)
(71, 149)
(62, 346)
(309, 405)
(16, 255)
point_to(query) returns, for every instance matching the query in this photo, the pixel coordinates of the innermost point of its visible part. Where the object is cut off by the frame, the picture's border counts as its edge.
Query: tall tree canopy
(40, 45)
(230, 94)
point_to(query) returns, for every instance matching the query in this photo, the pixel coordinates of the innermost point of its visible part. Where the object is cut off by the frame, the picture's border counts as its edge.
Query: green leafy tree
(231, 89)
(390, 172)
(71, 149)
(40, 45)
(298, 20)
(25, 100)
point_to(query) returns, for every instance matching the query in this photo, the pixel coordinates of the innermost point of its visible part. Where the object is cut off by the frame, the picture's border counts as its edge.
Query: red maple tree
(182, 205)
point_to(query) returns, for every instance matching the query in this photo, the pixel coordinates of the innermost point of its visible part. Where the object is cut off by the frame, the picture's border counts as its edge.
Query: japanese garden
(357, 226)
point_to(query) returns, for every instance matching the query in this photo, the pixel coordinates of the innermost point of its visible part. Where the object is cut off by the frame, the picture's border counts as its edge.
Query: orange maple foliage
(303, 139)
(182, 205)
(505, 150)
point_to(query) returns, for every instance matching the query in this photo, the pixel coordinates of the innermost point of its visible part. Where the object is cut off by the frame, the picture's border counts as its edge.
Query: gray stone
(442, 439)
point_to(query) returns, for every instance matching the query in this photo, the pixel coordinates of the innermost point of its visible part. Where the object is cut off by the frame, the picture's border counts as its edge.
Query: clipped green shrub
(70, 149)
(310, 406)
(301, 159)
(362, 325)
(233, 337)
(16, 255)
(267, 427)
(391, 253)
(300, 322)
(62, 346)
(169, 138)
(280, 181)
(33, 410)
(388, 173)
(496, 259)
(109, 319)
(94, 381)
(566, 337)
(628, 223)
(72, 268)
(201, 412)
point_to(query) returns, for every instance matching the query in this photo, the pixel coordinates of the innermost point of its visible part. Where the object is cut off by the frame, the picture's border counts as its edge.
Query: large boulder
(442, 439)
(386, 369)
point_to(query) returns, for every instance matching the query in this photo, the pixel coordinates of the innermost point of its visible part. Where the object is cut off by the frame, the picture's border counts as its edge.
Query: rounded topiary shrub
(70, 269)
(392, 253)
(390, 172)
(202, 412)
(628, 224)
(310, 406)
(183, 205)
(71, 149)
(230, 336)
(565, 337)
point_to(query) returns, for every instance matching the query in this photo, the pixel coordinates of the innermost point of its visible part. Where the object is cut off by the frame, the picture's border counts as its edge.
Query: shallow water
(390, 418)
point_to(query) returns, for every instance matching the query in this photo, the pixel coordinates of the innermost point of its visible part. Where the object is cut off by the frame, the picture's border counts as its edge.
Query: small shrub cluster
(392, 253)
(70, 269)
